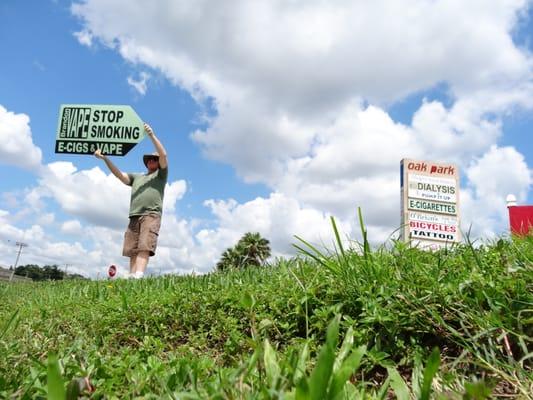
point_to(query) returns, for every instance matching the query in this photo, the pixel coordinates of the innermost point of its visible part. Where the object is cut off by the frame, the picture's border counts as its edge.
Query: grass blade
(56, 389)
(302, 360)
(272, 369)
(398, 384)
(366, 245)
(317, 256)
(347, 369)
(431, 369)
(383, 390)
(337, 237)
(346, 346)
(303, 392)
(11, 320)
(320, 377)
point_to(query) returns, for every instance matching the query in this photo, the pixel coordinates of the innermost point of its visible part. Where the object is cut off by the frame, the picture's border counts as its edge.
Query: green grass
(345, 323)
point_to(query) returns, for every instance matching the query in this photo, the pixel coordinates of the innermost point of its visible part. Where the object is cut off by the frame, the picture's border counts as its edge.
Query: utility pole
(66, 269)
(20, 245)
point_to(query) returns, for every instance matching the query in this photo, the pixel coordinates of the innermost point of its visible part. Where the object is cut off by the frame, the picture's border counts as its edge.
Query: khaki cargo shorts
(142, 234)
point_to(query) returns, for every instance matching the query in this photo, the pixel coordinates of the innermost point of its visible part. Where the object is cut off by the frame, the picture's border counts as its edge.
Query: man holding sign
(146, 204)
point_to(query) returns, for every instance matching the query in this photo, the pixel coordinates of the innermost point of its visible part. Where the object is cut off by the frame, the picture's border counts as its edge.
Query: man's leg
(133, 260)
(148, 233)
(141, 262)
(131, 240)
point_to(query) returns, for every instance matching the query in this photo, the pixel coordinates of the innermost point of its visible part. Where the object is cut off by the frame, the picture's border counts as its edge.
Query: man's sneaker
(138, 275)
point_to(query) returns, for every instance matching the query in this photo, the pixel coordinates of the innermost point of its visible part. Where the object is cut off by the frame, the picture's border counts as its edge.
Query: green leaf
(302, 360)
(348, 367)
(247, 300)
(366, 245)
(252, 361)
(350, 392)
(431, 369)
(317, 256)
(271, 364)
(346, 346)
(318, 383)
(398, 384)
(76, 387)
(124, 300)
(56, 389)
(383, 390)
(332, 334)
(303, 390)
(416, 376)
(321, 375)
(477, 391)
(73, 390)
(265, 323)
(11, 320)
(337, 237)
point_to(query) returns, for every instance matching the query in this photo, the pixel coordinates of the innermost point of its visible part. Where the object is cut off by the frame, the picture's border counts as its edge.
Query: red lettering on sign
(420, 166)
(436, 169)
(433, 226)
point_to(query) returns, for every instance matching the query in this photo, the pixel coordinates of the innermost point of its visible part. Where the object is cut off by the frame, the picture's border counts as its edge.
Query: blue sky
(275, 116)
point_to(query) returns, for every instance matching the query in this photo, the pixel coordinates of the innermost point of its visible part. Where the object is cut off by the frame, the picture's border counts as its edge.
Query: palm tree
(229, 259)
(253, 249)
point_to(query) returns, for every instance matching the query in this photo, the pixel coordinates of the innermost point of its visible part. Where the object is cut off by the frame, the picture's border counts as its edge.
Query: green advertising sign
(83, 128)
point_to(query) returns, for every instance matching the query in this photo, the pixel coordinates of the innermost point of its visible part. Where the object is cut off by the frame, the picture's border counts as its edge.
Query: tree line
(46, 273)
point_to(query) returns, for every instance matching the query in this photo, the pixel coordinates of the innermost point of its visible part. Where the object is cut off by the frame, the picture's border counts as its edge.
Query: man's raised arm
(124, 178)
(163, 162)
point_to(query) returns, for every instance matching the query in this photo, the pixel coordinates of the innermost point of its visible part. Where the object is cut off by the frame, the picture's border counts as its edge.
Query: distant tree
(250, 250)
(74, 276)
(52, 272)
(30, 271)
(48, 272)
(230, 258)
(253, 249)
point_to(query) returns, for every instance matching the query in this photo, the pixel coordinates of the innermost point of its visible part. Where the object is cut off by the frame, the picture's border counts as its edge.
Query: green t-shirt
(147, 192)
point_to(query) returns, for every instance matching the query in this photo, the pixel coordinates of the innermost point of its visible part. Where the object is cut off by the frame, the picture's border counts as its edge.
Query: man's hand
(148, 129)
(98, 154)
(163, 162)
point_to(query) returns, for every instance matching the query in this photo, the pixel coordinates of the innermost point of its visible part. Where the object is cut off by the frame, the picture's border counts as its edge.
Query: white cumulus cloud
(16, 144)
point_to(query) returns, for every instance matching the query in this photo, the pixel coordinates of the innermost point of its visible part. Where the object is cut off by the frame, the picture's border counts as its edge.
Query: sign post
(430, 203)
(113, 129)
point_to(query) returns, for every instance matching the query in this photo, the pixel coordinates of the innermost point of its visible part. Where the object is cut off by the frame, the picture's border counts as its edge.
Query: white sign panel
(433, 218)
(433, 231)
(432, 188)
(431, 206)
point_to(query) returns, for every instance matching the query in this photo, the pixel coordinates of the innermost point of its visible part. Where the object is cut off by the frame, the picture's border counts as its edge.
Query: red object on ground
(521, 220)
(112, 271)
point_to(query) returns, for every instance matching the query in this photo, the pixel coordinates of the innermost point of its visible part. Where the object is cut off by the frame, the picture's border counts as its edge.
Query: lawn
(392, 322)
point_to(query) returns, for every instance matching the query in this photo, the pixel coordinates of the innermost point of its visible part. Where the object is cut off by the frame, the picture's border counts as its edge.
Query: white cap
(511, 200)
